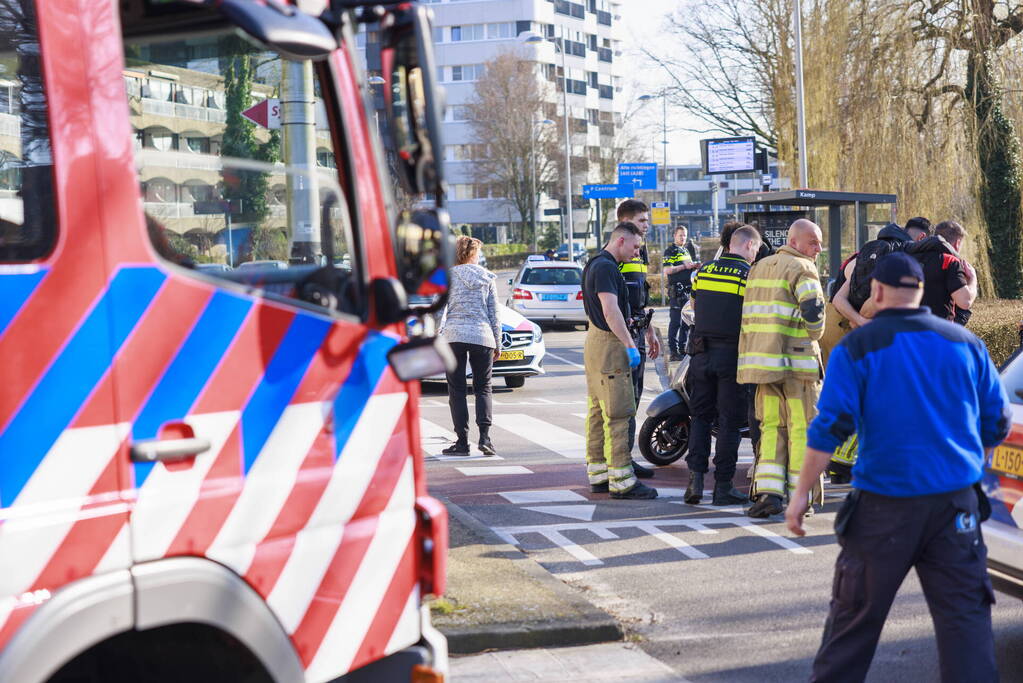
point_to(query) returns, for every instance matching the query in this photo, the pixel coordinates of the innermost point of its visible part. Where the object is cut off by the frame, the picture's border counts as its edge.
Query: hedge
(996, 321)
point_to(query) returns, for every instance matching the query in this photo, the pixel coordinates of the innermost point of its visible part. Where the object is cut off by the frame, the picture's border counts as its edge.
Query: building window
(500, 31)
(467, 72)
(466, 33)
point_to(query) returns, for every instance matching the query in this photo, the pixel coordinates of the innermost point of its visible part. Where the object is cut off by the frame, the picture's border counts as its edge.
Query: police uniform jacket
(634, 272)
(782, 319)
(718, 290)
(675, 255)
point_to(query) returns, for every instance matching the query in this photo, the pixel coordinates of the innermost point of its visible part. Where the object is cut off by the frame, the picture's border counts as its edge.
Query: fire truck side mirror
(291, 33)
(422, 357)
(412, 100)
(423, 254)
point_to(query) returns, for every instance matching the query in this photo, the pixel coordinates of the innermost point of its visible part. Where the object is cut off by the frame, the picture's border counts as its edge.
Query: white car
(522, 348)
(548, 292)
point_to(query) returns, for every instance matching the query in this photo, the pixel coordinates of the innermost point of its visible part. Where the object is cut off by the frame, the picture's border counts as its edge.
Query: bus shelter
(773, 212)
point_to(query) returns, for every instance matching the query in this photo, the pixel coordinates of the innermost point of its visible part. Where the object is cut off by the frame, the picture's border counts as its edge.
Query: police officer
(608, 354)
(634, 271)
(718, 291)
(916, 501)
(782, 319)
(680, 260)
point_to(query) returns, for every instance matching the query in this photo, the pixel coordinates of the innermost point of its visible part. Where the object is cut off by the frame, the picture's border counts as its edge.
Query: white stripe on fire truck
(363, 598)
(407, 630)
(50, 503)
(316, 544)
(167, 497)
(268, 484)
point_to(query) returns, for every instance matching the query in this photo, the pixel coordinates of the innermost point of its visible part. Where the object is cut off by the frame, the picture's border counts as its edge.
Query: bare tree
(505, 115)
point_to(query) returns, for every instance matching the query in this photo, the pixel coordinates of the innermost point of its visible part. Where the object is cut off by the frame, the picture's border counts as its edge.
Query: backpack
(859, 282)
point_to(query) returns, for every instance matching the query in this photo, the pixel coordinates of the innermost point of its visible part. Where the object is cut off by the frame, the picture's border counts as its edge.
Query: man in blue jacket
(915, 501)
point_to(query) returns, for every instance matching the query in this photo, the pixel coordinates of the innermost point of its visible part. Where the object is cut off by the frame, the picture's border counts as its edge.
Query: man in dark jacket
(950, 283)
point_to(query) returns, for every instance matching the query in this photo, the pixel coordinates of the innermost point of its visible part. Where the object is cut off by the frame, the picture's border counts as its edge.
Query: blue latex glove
(634, 357)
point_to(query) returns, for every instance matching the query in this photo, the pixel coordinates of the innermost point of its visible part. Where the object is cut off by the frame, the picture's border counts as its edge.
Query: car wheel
(514, 381)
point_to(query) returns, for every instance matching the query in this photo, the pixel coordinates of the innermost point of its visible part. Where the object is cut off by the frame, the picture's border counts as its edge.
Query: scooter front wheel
(664, 439)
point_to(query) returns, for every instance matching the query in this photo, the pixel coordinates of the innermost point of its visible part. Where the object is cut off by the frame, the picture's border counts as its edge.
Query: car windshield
(551, 276)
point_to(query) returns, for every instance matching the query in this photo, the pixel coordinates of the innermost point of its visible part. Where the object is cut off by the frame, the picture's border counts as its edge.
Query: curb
(596, 627)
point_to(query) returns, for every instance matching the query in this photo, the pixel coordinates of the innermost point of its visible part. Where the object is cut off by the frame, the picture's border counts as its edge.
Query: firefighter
(718, 290)
(608, 354)
(782, 319)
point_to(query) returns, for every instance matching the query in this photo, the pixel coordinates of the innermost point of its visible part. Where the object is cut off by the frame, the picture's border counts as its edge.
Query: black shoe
(642, 472)
(599, 488)
(765, 505)
(637, 492)
(726, 494)
(694, 492)
(486, 447)
(675, 357)
(457, 448)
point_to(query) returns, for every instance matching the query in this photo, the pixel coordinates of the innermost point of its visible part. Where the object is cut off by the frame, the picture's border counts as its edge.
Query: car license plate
(512, 355)
(554, 297)
(1008, 461)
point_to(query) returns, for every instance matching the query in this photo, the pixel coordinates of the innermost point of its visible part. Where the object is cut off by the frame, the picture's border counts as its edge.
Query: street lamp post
(532, 38)
(664, 185)
(532, 172)
(797, 25)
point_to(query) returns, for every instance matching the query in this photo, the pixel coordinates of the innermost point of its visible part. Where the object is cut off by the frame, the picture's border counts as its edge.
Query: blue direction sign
(642, 176)
(608, 191)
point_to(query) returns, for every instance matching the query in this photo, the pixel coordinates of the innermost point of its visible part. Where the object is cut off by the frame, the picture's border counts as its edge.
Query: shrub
(996, 322)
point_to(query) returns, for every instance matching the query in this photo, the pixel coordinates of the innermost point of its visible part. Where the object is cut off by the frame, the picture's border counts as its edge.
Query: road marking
(581, 512)
(603, 530)
(484, 471)
(571, 548)
(552, 496)
(435, 439)
(565, 360)
(673, 541)
(563, 442)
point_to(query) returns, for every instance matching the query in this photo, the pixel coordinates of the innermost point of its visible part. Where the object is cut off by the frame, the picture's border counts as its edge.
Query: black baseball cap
(899, 269)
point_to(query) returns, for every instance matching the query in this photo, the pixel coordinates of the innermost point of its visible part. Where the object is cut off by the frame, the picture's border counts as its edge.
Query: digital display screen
(729, 155)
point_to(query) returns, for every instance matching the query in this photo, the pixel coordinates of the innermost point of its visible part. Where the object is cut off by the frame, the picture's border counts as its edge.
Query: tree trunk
(998, 155)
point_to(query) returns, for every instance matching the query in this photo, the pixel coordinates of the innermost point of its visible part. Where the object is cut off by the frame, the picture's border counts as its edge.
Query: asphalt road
(707, 591)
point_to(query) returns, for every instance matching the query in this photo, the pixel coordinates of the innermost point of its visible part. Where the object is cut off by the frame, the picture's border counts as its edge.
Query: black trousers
(637, 382)
(715, 393)
(883, 539)
(481, 360)
(678, 331)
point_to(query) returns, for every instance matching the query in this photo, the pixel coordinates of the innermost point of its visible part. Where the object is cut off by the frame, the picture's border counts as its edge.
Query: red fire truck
(209, 471)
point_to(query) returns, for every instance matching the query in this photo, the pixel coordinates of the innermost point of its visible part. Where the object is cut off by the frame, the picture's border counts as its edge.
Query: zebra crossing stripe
(565, 443)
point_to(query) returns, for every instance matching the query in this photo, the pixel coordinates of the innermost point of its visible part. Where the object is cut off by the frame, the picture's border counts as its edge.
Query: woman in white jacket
(471, 327)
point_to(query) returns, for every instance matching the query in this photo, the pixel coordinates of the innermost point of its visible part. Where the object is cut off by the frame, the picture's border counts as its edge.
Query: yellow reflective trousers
(610, 402)
(784, 410)
(835, 328)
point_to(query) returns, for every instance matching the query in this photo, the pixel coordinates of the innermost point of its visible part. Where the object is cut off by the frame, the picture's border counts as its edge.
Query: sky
(643, 22)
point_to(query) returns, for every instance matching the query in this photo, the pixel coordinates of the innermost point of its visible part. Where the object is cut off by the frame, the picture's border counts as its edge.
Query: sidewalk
(606, 662)
(498, 598)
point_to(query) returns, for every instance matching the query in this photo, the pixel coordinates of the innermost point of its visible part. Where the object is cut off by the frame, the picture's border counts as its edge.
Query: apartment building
(468, 33)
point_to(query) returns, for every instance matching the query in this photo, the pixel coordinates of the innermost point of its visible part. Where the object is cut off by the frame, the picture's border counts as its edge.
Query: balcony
(604, 54)
(607, 92)
(604, 18)
(183, 111)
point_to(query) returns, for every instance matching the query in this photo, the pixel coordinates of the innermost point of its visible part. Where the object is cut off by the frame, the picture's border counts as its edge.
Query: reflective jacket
(634, 272)
(782, 319)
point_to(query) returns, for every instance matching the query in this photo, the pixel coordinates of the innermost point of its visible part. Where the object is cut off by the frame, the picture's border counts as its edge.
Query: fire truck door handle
(168, 450)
